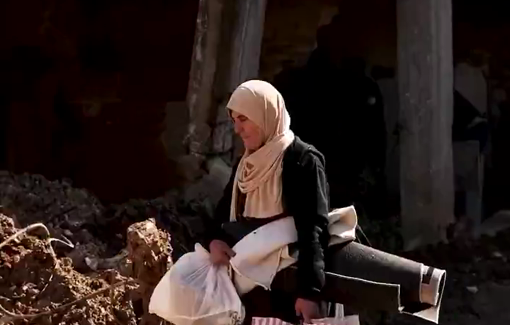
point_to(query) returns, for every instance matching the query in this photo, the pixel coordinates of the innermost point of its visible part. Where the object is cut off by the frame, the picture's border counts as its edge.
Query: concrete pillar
(202, 75)
(227, 52)
(425, 67)
(245, 31)
(247, 40)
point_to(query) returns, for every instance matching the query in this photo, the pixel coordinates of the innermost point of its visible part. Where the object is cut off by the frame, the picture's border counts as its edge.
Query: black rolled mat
(368, 279)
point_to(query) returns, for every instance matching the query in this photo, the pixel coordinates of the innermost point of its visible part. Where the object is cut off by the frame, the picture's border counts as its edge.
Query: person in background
(278, 176)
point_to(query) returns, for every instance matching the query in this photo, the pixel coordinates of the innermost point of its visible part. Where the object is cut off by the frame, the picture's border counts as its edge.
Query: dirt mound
(37, 287)
(55, 203)
(97, 231)
(94, 240)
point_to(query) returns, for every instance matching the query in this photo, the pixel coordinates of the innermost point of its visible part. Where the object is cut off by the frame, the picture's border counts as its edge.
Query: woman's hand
(220, 252)
(307, 309)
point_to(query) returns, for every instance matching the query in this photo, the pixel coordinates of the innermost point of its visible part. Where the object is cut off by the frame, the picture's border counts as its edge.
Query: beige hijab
(259, 173)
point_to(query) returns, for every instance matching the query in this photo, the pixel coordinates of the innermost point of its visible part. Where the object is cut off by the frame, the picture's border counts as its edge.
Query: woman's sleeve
(311, 221)
(221, 214)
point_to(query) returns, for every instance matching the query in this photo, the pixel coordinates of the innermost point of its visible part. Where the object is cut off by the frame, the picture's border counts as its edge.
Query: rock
(219, 170)
(82, 251)
(205, 193)
(149, 250)
(495, 224)
(116, 262)
(497, 255)
(150, 253)
(472, 289)
(190, 167)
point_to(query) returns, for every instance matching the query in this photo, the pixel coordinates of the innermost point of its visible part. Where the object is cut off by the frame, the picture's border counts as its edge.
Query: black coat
(305, 197)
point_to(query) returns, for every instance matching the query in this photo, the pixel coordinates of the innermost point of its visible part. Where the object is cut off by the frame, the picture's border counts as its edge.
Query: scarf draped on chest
(258, 174)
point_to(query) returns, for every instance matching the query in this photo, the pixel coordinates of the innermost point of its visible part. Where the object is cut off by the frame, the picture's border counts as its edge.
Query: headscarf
(259, 173)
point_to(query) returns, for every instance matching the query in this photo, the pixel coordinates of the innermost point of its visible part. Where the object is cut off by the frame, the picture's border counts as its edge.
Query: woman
(278, 176)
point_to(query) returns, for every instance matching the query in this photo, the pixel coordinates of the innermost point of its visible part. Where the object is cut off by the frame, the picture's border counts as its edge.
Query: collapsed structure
(66, 259)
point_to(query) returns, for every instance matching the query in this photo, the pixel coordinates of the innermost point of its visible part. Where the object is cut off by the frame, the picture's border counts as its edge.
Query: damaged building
(126, 98)
(114, 136)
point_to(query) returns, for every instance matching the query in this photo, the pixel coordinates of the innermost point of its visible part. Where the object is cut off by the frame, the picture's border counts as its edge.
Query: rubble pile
(68, 213)
(56, 204)
(97, 232)
(38, 287)
(33, 281)
(172, 212)
(50, 281)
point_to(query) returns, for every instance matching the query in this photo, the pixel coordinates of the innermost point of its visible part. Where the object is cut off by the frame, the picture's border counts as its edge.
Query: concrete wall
(84, 89)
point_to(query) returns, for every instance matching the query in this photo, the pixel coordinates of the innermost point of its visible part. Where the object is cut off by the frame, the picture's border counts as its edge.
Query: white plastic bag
(195, 292)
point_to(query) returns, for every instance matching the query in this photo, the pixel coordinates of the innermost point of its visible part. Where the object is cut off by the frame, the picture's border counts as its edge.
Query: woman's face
(249, 132)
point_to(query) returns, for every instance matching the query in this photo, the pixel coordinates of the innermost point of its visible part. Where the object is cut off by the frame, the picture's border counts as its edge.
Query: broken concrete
(496, 224)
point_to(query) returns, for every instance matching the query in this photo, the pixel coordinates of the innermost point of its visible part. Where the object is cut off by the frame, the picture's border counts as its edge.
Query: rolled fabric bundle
(368, 279)
(356, 275)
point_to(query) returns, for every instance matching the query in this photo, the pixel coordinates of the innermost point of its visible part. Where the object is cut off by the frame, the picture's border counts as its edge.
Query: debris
(9, 316)
(472, 289)
(117, 262)
(98, 232)
(67, 212)
(94, 264)
(33, 198)
(497, 254)
(150, 254)
(39, 287)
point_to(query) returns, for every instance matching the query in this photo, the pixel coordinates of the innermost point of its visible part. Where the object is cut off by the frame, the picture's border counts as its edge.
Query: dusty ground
(478, 282)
